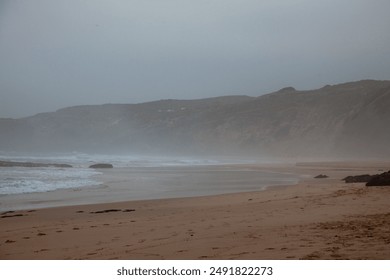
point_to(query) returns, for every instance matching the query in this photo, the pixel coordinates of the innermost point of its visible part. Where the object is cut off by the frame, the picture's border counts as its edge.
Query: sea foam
(17, 180)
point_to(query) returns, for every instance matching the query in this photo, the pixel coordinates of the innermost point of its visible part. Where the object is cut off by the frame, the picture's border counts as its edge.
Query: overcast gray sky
(58, 53)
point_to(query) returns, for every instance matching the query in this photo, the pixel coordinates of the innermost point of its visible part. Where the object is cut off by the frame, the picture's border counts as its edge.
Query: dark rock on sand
(101, 165)
(10, 216)
(321, 176)
(380, 180)
(112, 210)
(32, 164)
(106, 211)
(358, 179)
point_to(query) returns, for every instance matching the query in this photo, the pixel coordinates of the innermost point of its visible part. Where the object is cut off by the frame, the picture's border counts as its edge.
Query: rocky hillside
(346, 120)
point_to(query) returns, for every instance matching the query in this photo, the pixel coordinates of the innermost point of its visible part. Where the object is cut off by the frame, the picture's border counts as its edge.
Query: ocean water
(19, 180)
(28, 180)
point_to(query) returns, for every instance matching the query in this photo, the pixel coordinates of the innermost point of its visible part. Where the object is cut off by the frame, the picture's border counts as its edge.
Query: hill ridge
(343, 120)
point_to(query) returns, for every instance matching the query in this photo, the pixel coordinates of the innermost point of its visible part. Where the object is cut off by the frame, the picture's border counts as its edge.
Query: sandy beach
(314, 219)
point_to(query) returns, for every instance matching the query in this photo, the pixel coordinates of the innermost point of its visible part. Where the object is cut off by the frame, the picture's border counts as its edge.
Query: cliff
(345, 120)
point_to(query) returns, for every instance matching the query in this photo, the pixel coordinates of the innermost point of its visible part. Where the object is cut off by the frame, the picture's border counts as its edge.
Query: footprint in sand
(41, 250)
(41, 234)
(240, 254)
(312, 256)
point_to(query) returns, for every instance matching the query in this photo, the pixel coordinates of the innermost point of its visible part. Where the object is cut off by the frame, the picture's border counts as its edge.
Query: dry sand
(315, 219)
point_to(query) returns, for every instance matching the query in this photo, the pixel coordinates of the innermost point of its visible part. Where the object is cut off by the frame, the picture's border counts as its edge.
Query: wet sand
(315, 219)
(140, 183)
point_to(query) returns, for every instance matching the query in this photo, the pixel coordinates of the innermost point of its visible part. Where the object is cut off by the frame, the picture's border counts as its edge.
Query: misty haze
(346, 121)
(194, 129)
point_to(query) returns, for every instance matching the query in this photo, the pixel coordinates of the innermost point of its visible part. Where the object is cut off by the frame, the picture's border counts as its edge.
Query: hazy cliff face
(334, 121)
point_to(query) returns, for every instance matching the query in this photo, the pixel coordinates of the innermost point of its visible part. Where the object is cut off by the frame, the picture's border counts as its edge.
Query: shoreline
(314, 219)
(150, 183)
